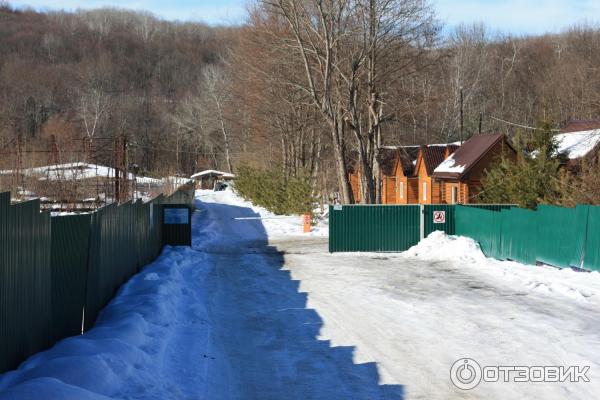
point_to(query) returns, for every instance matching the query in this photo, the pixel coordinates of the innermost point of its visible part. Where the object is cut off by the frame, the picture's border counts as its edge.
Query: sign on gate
(439, 217)
(177, 216)
(177, 225)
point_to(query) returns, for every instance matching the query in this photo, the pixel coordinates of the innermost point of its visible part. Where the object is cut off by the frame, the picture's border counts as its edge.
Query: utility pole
(480, 121)
(461, 117)
(19, 160)
(53, 150)
(125, 169)
(116, 150)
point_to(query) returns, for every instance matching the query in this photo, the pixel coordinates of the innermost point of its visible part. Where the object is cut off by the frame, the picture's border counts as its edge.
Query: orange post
(307, 220)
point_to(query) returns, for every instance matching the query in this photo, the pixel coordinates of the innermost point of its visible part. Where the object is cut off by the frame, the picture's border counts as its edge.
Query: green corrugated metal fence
(388, 227)
(25, 276)
(558, 236)
(481, 225)
(373, 228)
(54, 268)
(591, 249)
(69, 255)
(450, 210)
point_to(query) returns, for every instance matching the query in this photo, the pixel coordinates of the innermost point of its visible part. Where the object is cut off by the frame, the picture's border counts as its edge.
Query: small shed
(208, 179)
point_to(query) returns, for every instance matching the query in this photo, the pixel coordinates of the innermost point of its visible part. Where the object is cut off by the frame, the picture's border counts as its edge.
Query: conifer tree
(534, 177)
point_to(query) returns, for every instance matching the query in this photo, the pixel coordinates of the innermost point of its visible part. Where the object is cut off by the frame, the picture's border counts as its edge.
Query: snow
(417, 312)
(458, 143)
(78, 171)
(134, 334)
(213, 172)
(390, 147)
(256, 310)
(577, 144)
(176, 181)
(579, 286)
(275, 225)
(449, 166)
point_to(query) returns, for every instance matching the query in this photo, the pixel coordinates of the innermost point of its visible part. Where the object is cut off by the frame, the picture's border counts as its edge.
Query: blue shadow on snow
(264, 326)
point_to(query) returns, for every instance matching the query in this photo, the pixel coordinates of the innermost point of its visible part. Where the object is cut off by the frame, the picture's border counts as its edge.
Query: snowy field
(258, 310)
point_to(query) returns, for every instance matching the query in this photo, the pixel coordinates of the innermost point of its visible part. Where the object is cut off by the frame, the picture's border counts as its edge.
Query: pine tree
(534, 177)
(584, 187)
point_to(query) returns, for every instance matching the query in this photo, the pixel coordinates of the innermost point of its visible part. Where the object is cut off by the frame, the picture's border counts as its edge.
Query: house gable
(473, 157)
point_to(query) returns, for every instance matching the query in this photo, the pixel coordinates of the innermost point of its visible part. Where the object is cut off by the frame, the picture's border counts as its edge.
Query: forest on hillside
(298, 86)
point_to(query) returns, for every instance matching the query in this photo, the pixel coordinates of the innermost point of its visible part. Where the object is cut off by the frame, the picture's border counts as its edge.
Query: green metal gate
(379, 228)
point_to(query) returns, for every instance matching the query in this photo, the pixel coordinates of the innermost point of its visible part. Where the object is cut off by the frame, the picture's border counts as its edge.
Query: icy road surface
(255, 311)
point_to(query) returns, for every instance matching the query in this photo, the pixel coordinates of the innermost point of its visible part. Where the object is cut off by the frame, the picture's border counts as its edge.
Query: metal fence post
(422, 221)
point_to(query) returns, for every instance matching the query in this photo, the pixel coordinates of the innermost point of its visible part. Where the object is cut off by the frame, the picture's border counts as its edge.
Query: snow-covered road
(260, 323)
(256, 311)
(416, 317)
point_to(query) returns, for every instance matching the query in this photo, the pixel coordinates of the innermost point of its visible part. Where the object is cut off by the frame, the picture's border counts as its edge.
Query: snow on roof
(213, 172)
(577, 144)
(449, 166)
(444, 144)
(391, 147)
(467, 155)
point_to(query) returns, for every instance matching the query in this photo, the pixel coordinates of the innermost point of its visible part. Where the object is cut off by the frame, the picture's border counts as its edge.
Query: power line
(199, 153)
(519, 125)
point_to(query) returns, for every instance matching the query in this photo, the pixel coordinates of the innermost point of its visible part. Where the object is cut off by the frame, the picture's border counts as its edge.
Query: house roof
(467, 156)
(389, 157)
(577, 144)
(580, 125)
(408, 155)
(387, 160)
(432, 155)
(452, 148)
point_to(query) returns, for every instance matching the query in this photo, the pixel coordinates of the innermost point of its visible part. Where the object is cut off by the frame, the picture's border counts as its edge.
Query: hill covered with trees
(298, 85)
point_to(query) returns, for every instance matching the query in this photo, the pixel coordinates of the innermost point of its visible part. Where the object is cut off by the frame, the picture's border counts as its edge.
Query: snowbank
(276, 225)
(464, 252)
(118, 357)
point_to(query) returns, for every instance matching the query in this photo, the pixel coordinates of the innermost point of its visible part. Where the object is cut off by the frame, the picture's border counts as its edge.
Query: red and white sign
(439, 217)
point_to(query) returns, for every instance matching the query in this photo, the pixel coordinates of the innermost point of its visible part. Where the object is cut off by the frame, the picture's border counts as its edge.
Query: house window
(424, 190)
(401, 190)
(454, 194)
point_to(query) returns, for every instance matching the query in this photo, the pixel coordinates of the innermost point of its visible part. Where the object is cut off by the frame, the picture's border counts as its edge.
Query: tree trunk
(225, 138)
(337, 131)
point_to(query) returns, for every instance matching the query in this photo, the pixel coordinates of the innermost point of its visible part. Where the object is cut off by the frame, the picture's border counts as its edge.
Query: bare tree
(93, 107)
(217, 89)
(317, 29)
(351, 51)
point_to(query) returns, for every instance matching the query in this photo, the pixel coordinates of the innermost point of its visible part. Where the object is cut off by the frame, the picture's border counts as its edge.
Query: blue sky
(514, 16)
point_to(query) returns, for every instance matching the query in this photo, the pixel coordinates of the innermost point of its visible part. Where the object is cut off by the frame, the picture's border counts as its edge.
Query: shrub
(274, 191)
